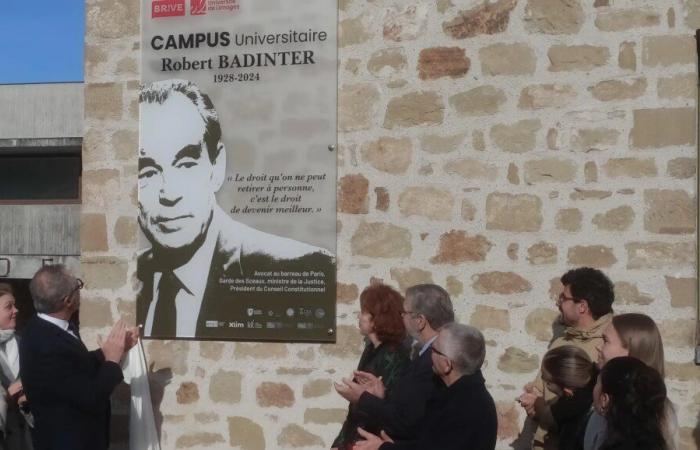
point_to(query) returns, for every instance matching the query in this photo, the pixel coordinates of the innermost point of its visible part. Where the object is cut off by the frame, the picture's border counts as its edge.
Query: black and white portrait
(198, 278)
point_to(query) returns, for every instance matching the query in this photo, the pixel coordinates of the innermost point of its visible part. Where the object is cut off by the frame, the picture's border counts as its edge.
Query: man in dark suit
(427, 308)
(67, 386)
(460, 417)
(204, 270)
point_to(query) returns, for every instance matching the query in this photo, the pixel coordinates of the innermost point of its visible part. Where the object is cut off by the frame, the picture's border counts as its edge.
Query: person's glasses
(563, 298)
(403, 313)
(78, 286)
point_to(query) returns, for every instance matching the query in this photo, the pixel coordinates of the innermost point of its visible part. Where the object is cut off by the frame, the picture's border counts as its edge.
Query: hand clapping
(352, 389)
(120, 339)
(527, 399)
(372, 384)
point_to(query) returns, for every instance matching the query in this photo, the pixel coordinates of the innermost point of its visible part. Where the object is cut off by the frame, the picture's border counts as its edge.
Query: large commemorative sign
(237, 169)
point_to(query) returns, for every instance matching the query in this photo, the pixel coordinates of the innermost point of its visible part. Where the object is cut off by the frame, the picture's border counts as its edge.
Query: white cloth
(9, 355)
(142, 426)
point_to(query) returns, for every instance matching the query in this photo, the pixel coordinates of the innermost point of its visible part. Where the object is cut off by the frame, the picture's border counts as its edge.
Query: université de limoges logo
(176, 8)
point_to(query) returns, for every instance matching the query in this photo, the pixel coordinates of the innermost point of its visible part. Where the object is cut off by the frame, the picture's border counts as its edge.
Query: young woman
(638, 336)
(385, 354)
(568, 372)
(632, 398)
(16, 430)
(633, 335)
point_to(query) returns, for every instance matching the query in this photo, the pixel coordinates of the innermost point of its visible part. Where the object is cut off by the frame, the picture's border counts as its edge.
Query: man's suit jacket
(241, 251)
(402, 412)
(68, 388)
(460, 417)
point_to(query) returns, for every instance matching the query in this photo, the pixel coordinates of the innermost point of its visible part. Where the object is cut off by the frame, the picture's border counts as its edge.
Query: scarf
(9, 356)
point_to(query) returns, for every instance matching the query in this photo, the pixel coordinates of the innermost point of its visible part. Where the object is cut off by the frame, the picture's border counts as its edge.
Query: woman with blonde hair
(568, 372)
(15, 427)
(635, 335)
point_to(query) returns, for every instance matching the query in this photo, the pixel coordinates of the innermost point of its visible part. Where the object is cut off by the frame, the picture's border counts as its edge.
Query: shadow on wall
(526, 436)
(157, 381)
(121, 405)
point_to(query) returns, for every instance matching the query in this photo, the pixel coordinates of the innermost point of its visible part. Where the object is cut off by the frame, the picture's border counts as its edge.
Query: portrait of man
(196, 276)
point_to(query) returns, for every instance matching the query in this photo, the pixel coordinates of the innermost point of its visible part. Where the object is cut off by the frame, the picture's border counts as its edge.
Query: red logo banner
(167, 8)
(198, 7)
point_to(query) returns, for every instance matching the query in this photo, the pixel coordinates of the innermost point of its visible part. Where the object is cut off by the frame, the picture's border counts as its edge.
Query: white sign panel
(237, 169)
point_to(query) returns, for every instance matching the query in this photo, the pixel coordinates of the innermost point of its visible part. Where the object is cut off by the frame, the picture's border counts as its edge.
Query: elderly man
(67, 386)
(196, 275)
(461, 417)
(585, 307)
(427, 308)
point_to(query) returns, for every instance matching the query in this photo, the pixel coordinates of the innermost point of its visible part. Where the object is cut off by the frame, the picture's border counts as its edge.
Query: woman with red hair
(386, 354)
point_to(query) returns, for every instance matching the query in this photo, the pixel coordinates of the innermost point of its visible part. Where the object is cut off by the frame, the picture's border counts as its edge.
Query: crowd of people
(600, 385)
(418, 384)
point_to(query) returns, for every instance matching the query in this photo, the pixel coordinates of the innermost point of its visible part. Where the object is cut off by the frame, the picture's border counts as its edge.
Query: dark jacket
(401, 411)
(571, 415)
(461, 417)
(383, 361)
(68, 388)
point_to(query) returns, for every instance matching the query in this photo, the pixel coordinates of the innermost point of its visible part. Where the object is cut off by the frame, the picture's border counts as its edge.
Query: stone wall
(486, 147)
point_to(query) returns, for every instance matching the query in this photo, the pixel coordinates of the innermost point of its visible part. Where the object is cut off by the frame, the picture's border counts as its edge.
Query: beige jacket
(588, 340)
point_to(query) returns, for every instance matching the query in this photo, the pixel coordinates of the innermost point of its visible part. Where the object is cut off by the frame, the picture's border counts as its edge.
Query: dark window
(40, 177)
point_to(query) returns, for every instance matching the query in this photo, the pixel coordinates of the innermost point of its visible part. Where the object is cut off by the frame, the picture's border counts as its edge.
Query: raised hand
(349, 390)
(132, 336)
(113, 348)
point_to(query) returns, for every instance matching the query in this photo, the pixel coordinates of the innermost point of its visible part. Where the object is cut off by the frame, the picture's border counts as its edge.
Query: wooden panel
(39, 229)
(48, 110)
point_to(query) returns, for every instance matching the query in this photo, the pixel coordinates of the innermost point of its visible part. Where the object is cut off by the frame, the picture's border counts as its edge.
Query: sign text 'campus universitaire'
(237, 169)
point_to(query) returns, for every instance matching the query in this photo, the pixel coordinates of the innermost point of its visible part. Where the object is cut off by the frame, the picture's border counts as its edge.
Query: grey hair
(433, 302)
(159, 91)
(465, 347)
(49, 286)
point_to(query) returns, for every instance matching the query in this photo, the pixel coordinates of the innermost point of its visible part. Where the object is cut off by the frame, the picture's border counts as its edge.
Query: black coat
(68, 388)
(383, 361)
(401, 413)
(571, 414)
(461, 417)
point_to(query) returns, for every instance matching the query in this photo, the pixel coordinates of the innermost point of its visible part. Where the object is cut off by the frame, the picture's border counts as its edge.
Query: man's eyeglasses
(403, 313)
(78, 286)
(563, 298)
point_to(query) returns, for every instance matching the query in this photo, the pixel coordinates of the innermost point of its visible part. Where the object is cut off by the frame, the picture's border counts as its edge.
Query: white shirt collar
(427, 344)
(190, 274)
(60, 323)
